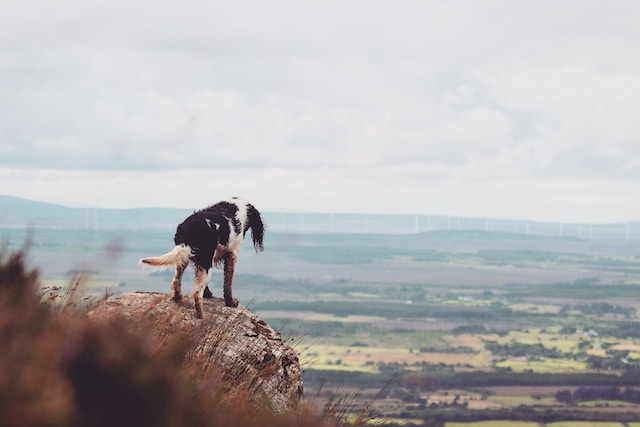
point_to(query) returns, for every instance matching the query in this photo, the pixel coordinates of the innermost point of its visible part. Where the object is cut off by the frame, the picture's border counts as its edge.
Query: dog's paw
(233, 303)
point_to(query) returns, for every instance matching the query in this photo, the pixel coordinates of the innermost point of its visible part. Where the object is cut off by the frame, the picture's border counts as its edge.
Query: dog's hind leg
(229, 267)
(176, 283)
(201, 282)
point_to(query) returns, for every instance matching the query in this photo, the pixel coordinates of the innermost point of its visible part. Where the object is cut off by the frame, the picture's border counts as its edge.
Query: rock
(231, 342)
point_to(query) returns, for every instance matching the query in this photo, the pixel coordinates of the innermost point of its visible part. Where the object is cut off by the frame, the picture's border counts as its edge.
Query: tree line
(610, 393)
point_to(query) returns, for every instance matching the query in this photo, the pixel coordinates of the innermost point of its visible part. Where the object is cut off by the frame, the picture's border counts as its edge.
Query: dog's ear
(257, 227)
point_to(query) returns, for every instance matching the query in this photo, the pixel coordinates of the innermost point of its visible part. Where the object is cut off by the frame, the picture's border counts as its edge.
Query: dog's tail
(178, 255)
(257, 227)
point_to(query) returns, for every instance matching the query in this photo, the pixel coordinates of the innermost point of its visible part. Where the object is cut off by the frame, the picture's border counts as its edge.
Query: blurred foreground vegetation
(59, 366)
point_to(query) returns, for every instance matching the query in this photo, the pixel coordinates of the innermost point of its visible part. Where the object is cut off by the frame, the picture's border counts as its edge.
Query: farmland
(431, 328)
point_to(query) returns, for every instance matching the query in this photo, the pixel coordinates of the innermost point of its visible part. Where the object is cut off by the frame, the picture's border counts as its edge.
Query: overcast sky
(501, 109)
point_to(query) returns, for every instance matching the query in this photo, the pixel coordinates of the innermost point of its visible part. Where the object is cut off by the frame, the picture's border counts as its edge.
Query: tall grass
(59, 366)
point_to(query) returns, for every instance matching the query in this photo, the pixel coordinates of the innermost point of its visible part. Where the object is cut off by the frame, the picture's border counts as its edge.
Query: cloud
(583, 117)
(360, 97)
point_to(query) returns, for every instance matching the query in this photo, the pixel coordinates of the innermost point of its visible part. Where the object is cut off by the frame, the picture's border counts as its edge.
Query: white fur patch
(180, 254)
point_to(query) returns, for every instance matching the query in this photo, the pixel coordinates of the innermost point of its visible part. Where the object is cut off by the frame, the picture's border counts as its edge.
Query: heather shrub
(59, 366)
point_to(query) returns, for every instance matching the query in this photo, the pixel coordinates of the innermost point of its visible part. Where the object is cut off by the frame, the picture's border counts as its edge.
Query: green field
(494, 423)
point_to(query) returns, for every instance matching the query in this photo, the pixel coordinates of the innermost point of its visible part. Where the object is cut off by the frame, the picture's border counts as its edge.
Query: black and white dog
(211, 237)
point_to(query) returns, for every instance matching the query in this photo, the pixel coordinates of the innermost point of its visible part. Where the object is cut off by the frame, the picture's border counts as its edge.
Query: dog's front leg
(202, 279)
(176, 283)
(229, 267)
(207, 292)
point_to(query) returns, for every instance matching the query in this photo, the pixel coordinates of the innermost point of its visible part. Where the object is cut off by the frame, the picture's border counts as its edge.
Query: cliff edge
(232, 343)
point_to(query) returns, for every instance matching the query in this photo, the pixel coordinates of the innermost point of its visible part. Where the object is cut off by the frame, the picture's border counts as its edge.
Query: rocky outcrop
(232, 343)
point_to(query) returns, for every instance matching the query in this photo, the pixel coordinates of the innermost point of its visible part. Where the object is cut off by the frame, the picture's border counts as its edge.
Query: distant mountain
(16, 212)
